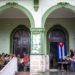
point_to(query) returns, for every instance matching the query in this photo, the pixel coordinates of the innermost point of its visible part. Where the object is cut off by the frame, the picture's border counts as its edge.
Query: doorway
(21, 45)
(21, 41)
(53, 53)
(57, 42)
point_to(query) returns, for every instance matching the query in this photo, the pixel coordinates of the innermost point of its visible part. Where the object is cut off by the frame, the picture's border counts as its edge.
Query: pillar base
(39, 63)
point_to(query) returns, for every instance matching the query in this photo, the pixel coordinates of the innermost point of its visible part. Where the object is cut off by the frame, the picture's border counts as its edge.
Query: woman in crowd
(20, 63)
(72, 60)
(1, 62)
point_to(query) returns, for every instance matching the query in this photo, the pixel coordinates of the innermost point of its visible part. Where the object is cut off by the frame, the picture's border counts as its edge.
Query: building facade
(36, 27)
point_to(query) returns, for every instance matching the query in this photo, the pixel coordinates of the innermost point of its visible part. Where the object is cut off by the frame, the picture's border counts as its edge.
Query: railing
(10, 68)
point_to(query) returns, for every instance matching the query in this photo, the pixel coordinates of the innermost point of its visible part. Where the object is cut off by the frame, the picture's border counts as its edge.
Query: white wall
(46, 4)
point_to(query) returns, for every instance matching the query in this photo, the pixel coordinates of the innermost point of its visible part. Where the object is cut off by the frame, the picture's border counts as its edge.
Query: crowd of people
(68, 62)
(71, 59)
(4, 59)
(23, 61)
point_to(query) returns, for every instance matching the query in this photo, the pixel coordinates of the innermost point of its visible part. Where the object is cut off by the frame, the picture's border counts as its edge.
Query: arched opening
(59, 21)
(58, 45)
(17, 38)
(11, 15)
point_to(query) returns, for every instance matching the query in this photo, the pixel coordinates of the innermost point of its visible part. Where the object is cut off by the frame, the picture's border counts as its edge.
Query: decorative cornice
(63, 4)
(11, 4)
(36, 5)
(37, 29)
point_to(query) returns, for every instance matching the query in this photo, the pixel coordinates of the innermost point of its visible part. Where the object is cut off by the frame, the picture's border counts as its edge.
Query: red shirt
(25, 59)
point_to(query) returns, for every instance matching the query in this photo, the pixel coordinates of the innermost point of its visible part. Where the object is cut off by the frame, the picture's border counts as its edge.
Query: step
(53, 70)
(22, 73)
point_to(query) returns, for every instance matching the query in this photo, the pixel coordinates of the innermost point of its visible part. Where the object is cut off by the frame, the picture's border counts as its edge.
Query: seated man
(72, 61)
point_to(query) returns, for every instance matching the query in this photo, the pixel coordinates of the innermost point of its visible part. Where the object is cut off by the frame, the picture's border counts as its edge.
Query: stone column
(38, 50)
(45, 59)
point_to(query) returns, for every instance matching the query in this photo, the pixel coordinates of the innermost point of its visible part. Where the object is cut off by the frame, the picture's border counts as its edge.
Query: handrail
(10, 68)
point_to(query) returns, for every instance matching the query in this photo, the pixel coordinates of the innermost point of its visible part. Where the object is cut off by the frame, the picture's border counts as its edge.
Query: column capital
(37, 30)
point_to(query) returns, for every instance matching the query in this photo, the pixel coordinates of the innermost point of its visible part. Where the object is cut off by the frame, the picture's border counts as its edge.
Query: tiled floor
(62, 73)
(47, 73)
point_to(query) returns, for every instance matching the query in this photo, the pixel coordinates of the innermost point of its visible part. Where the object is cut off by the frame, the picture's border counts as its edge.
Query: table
(62, 63)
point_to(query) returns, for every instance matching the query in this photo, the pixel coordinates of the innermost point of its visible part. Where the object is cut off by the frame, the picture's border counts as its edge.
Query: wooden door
(21, 42)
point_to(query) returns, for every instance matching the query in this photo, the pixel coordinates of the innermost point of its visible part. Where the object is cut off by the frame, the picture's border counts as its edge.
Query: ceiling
(12, 13)
(15, 13)
(62, 13)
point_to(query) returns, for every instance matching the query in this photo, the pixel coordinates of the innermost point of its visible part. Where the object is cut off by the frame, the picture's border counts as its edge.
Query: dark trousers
(20, 67)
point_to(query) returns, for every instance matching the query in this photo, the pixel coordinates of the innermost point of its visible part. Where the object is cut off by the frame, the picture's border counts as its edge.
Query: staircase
(22, 73)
